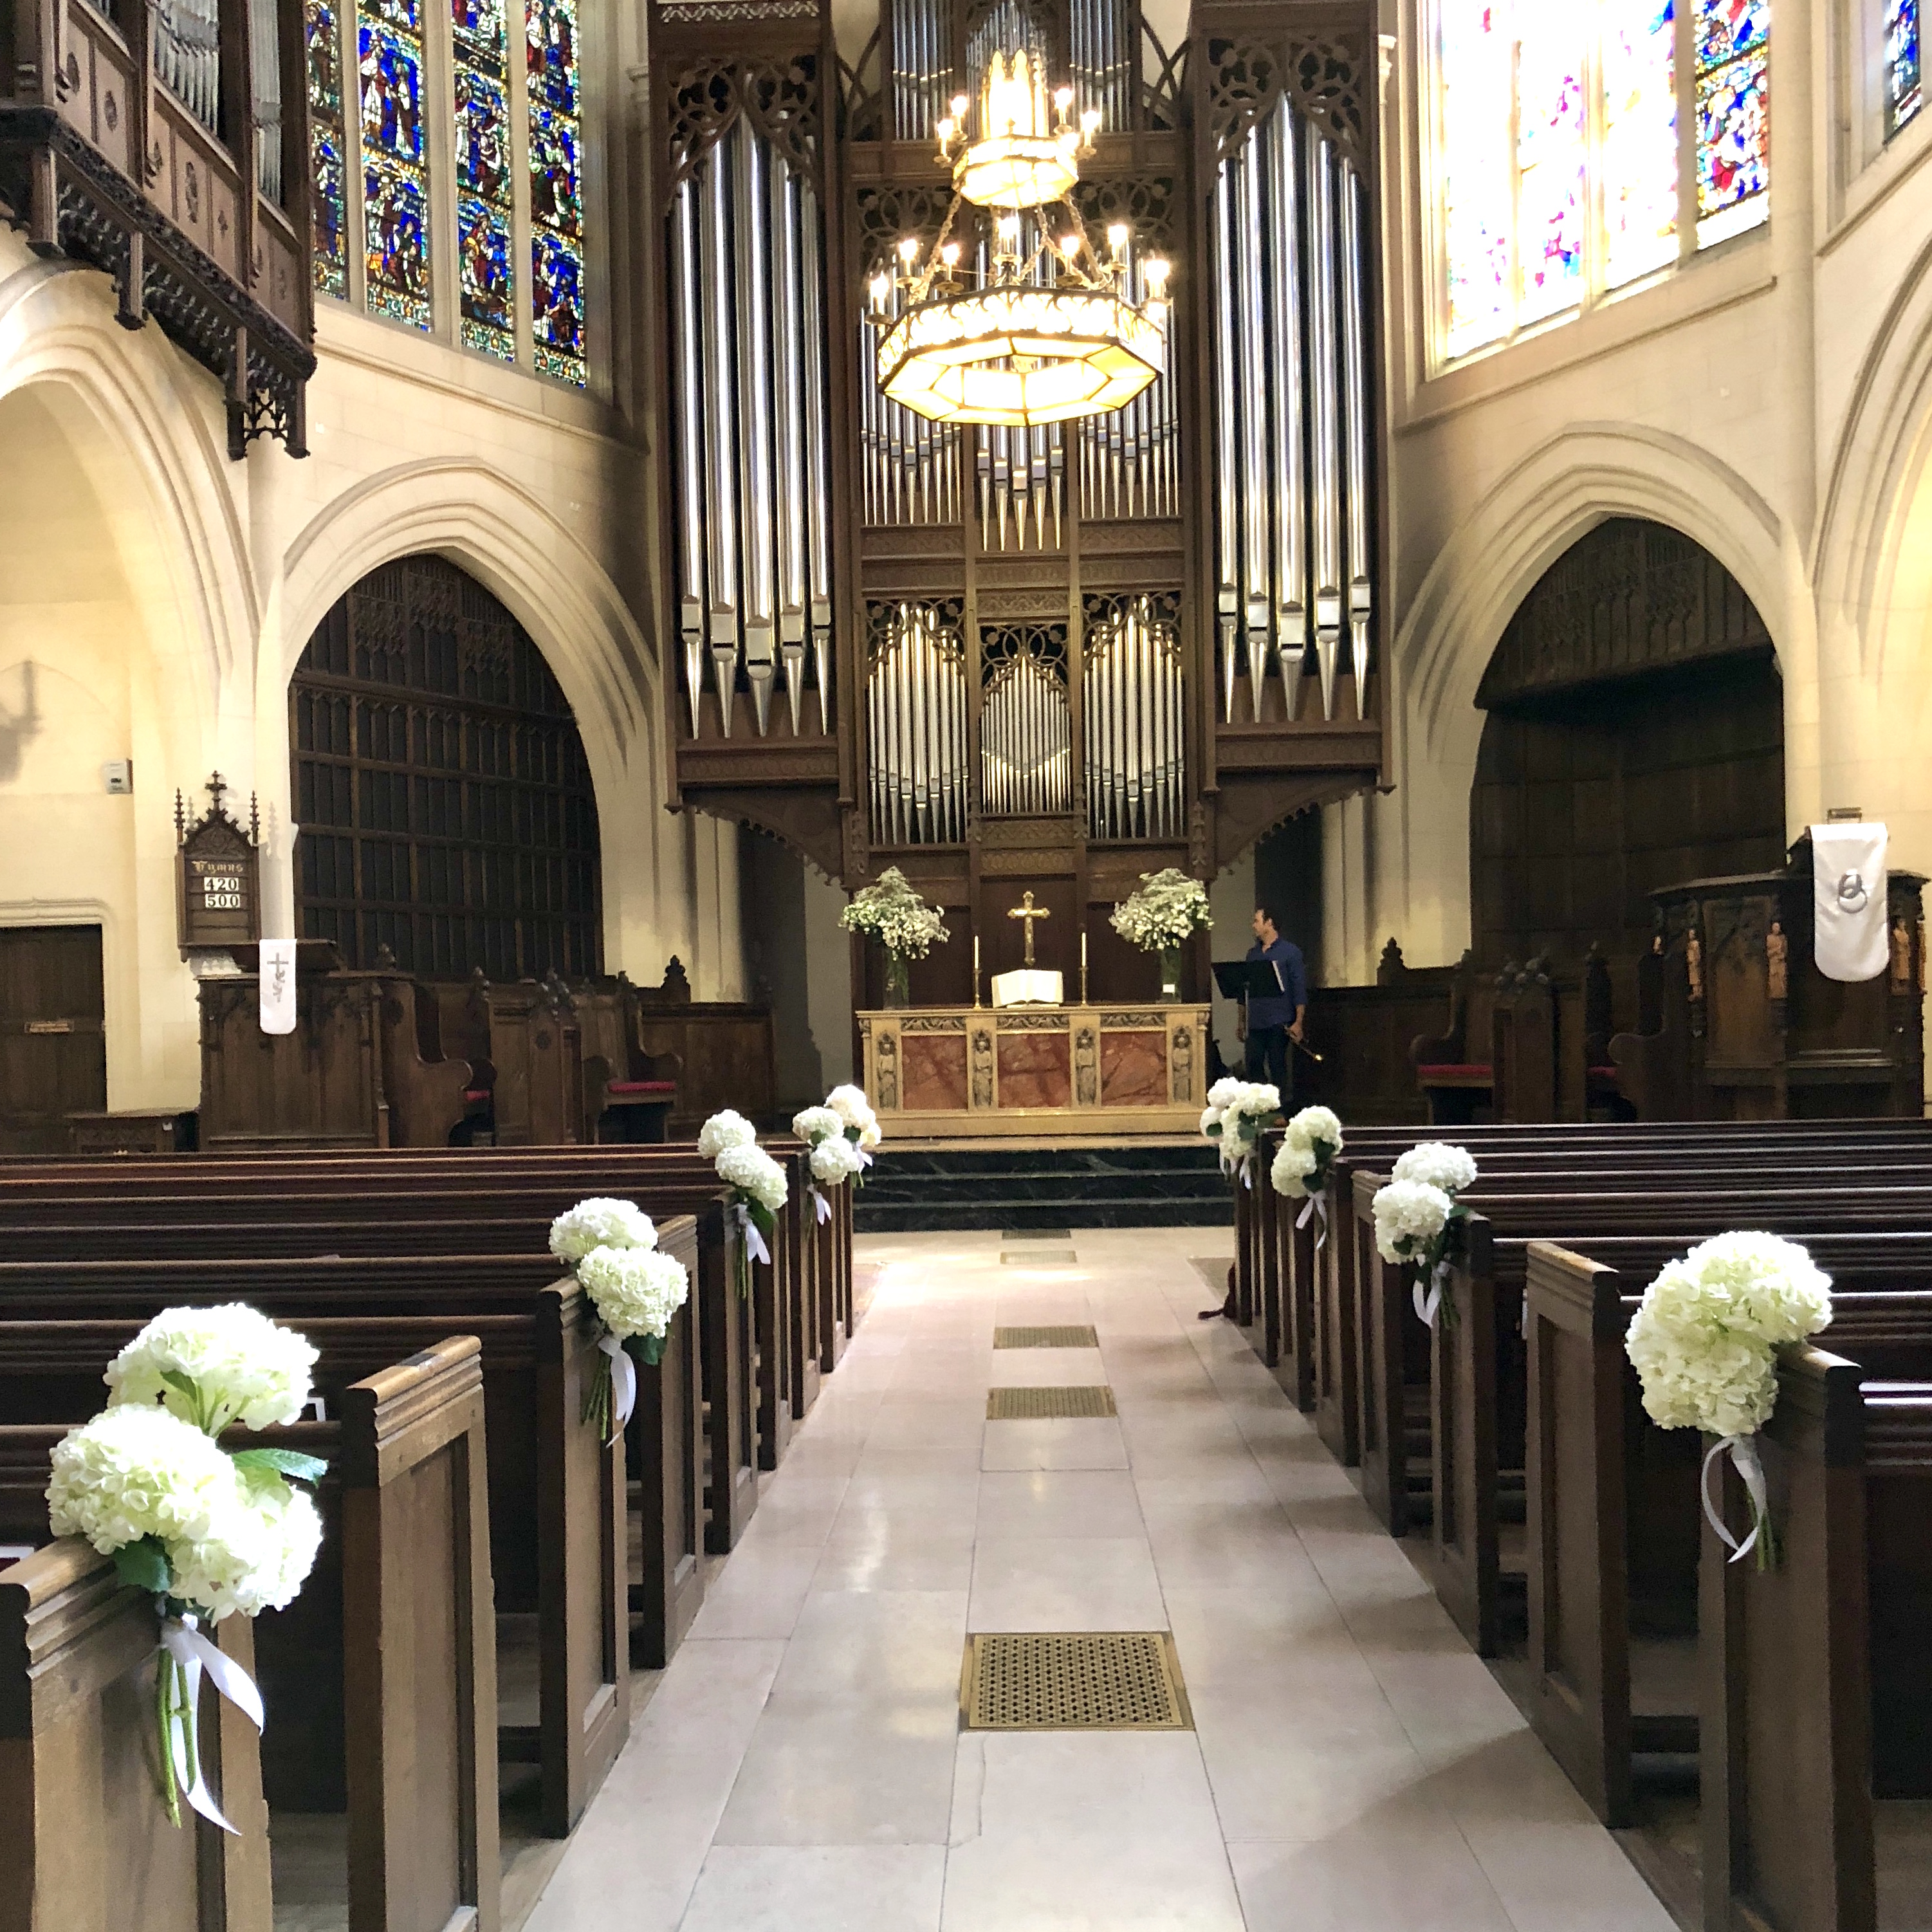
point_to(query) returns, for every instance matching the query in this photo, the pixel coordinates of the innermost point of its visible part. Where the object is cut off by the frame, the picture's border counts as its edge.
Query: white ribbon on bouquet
(1315, 1206)
(623, 1382)
(820, 1203)
(183, 1646)
(1743, 1452)
(1429, 1305)
(748, 1233)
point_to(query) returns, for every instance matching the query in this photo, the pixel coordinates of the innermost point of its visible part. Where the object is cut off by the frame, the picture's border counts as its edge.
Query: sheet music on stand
(1240, 979)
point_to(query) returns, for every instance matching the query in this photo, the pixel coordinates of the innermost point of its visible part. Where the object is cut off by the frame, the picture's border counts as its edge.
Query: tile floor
(801, 1767)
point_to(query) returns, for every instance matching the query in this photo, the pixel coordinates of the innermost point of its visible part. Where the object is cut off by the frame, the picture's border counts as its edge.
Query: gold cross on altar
(1028, 911)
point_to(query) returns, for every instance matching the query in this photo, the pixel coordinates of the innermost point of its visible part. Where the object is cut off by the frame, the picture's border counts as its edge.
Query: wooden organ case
(1052, 657)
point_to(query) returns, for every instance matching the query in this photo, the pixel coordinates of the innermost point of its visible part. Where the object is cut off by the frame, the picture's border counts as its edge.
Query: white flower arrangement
(1237, 1112)
(755, 1175)
(813, 1124)
(1166, 908)
(725, 1129)
(1416, 1214)
(1309, 1145)
(835, 1159)
(600, 1222)
(1441, 1164)
(1702, 1342)
(213, 1367)
(891, 912)
(208, 1534)
(609, 1247)
(862, 1124)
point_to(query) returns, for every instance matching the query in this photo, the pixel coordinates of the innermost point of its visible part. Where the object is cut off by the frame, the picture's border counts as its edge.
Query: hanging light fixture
(1047, 329)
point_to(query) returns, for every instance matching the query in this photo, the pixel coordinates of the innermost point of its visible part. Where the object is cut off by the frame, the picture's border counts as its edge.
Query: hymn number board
(218, 884)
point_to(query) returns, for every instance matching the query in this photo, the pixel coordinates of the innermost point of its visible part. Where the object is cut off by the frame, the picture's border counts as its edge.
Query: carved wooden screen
(440, 784)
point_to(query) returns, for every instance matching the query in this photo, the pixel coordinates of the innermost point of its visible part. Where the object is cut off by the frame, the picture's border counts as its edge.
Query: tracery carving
(1327, 80)
(780, 99)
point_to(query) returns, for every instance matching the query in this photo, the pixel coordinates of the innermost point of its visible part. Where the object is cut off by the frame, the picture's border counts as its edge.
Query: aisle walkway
(801, 1765)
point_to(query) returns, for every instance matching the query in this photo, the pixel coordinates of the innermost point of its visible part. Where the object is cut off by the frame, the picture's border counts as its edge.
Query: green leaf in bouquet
(763, 1217)
(291, 1462)
(651, 1349)
(144, 1566)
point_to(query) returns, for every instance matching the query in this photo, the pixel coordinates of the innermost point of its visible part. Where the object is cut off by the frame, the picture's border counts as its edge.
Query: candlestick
(975, 970)
(1083, 969)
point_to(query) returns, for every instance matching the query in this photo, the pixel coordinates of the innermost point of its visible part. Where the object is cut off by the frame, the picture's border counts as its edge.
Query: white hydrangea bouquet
(1165, 910)
(891, 911)
(861, 1125)
(611, 1246)
(1309, 1145)
(757, 1183)
(831, 1158)
(1702, 1342)
(208, 1533)
(1237, 1114)
(1418, 1214)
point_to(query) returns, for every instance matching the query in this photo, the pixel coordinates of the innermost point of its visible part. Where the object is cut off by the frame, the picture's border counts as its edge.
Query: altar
(970, 1071)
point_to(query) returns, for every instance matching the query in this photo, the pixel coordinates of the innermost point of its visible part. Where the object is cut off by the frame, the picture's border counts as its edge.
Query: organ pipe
(1134, 726)
(1026, 737)
(750, 434)
(1293, 489)
(916, 712)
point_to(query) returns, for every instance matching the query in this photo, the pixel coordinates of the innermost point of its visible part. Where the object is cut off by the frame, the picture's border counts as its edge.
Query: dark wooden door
(53, 1052)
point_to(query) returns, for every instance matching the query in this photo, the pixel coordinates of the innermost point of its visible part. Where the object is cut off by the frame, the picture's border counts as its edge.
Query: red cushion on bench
(645, 1088)
(1448, 1072)
(1605, 1073)
(475, 1094)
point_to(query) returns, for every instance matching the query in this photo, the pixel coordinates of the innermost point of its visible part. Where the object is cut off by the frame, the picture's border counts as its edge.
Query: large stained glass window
(556, 189)
(380, 85)
(328, 147)
(395, 194)
(484, 214)
(1901, 63)
(1556, 150)
(1733, 116)
(1638, 157)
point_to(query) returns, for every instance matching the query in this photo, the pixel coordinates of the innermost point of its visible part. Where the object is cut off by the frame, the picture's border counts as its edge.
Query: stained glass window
(1478, 188)
(1557, 148)
(1733, 43)
(328, 167)
(1638, 165)
(556, 189)
(395, 197)
(1901, 63)
(1549, 161)
(483, 178)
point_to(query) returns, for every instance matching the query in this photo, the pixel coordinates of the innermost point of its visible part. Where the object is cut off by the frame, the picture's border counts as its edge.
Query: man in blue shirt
(1272, 1021)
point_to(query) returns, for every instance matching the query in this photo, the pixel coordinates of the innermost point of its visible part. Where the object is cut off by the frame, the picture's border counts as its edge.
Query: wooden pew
(535, 1045)
(408, 1708)
(427, 1094)
(1816, 1691)
(622, 1087)
(556, 1496)
(400, 1192)
(1613, 1519)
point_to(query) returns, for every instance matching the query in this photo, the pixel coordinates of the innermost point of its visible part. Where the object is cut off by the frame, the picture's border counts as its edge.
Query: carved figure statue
(1901, 957)
(1777, 960)
(1694, 962)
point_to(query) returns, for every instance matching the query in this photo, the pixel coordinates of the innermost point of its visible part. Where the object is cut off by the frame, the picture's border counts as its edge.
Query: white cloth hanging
(278, 986)
(1848, 888)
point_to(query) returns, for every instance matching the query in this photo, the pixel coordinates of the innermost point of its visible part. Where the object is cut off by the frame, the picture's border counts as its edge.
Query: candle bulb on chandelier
(1116, 238)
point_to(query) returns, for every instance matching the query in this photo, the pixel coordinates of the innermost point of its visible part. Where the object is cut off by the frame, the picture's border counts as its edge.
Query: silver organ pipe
(1251, 329)
(721, 473)
(1293, 490)
(186, 36)
(1325, 425)
(751, 431)
(1132, 704)
(1290, 568)
(1355, 400)
(916, 713)
(687, 350)
(751, 249)
(265, 83)
(787, 329)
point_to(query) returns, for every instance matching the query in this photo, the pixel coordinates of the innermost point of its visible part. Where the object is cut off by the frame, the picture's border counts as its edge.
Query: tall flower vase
(1170, 973)
(898, 980)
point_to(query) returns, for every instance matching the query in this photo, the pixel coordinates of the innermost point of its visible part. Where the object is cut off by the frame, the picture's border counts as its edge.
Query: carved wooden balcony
(165, 141)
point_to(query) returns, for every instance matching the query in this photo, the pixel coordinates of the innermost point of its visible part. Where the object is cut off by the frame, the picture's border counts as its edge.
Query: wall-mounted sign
(218, 896)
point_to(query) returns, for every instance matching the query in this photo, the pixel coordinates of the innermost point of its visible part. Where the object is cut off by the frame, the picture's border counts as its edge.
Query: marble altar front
(978, 1070)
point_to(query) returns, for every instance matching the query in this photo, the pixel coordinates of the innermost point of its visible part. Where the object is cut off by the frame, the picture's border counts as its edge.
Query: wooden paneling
(53, 1055)
(441, 785)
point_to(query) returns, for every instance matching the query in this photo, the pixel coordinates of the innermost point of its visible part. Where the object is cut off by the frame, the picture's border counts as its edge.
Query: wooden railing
(166, 143)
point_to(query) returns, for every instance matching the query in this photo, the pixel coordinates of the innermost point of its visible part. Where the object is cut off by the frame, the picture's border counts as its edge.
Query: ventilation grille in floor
(1036, 1405)
(1045, 1338)
(1073, 1681)
(1035, 1258)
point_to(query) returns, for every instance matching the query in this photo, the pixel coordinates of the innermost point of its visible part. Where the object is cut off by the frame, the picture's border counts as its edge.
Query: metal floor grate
(1073, 1681)
(1045, 1338)
(1036, 1405)
(1034, 1257)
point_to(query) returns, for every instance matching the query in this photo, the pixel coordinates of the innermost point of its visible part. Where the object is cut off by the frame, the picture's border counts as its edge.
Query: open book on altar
(1029, 986)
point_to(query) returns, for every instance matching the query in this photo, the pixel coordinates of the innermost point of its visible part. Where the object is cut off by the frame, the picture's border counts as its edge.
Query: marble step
(986, 1213)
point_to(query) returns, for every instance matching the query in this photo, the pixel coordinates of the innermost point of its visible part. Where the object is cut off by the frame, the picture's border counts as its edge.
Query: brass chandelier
(1045, 330)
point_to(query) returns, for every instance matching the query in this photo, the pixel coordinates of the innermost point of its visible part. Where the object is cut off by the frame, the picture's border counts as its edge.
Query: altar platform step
(1158, 1184)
